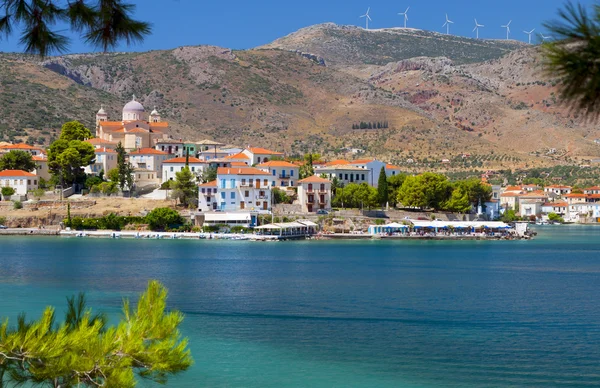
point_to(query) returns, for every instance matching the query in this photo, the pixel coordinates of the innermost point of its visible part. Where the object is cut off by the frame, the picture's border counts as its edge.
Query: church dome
(133, 106)
(101, 111)
(154, 112)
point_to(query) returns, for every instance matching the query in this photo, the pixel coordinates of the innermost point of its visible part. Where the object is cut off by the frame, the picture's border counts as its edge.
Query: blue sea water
(344, 314)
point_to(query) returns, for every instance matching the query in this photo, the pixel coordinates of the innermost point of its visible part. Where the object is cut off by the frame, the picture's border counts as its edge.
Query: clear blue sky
(243, 24)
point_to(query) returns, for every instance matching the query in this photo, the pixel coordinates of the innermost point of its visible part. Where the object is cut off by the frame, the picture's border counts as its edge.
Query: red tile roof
(209, 184)
(240, 171)
(19, 173)
(147, 151)
(337, 162)
(361, 161)
(238, 164)
(20, 146)
(575, 195)
(263, 151)
(102, 150)
(277, 163)
(240, 155)
(182, 160)
(392, 167)
(99, 141)
(314, 179)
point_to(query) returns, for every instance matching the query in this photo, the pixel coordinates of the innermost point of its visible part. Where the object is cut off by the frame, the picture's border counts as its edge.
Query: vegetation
(162, 218)
(7, 191)
(69, 154)
(209, 174)
(109, 222)
(573, 57)
(17, 160)
(382, 187)
(371, 125)
(356, 196)
(17, 205)
(307, 169)
(84, 350)
(124, 169)
(427, 190)
(102, 24)
(394, 184)
(280, 196)
(555, 218)
(509, 215)
(185, 188)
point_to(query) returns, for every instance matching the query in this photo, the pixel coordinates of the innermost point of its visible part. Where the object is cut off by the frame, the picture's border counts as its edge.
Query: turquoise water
(345, 314)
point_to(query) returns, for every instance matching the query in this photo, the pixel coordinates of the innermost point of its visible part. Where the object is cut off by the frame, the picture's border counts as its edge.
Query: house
(530, 188)
(537, 196)
(106, 160)
(21, 181)
(244, 189)
(148, 159)
(575, 198)
(374, 167)
(41, 169)
(560, 208)
(35, 151)
(346, 174)
(172, 166)
(174, 148)
(259, 155)
(97, 143)
(559, 190)
(314, 193)
(510, 199)
(134, 130)
(584, 212)
(239, 157)
(217, 153)
(283, 174)
(530, 207)
(391, 170)
(207, 196)
(592, 190)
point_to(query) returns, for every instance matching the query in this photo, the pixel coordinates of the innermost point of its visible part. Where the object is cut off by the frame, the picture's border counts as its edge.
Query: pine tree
(382, 187)
(185, 188)
(125, 177)
(84, 351)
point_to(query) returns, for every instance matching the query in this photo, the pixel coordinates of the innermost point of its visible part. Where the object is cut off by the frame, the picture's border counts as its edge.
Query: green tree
(163, 217)
(459, 201)
(113, 175)
(509, 215)
(209, 174)
(69, 154)
(17, 160)
(124, 169)
(428, 190)
(7, 191)
(185, 188)
(84, 351)
(101, 23)
(356, 196)
(280, 196)
(307, 169)
(394, 184)
(573, 57)
(382, 187)
(555, 218)
(39, 193)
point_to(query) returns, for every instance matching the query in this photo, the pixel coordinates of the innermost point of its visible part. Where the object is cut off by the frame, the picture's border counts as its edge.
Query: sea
(343, 313)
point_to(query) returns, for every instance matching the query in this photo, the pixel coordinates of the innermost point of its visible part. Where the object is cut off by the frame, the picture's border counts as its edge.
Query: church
(134, 131)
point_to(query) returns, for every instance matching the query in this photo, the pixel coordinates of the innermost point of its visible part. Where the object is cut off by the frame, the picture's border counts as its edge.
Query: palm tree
(101, 23)
(574, 57)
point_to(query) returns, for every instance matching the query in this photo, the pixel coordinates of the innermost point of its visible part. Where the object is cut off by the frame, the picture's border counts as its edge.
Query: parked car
(322, 211)
(3, 227)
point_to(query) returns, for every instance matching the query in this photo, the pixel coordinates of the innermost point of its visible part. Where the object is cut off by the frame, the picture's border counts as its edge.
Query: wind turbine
(529, 33)
(367, 17)
(447, 25)
(405, 14)
(476, 29)
(544, 38)
(507, 26)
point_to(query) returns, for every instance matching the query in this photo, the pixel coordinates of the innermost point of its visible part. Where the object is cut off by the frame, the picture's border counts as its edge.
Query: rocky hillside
(350, 46)
(440, 97)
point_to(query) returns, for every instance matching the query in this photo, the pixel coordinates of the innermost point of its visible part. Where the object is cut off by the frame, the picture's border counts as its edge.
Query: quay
(174, 235)
(439, 237)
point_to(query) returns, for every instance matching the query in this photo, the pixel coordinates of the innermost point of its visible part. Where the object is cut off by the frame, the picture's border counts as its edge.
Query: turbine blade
(407, 10)
(369, 18)
(444, 25)
(474, 28)
(509, 23)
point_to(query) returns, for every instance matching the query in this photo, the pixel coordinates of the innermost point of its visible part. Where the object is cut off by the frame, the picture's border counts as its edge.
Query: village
(242, 186)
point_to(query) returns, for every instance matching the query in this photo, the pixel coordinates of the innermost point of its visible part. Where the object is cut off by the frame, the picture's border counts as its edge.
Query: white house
(283, 174)
(560, 208)
(239, 157)
(171, 146)
(591, 190)
(391, 170)
(259, 155)
(346, 174)
(41, 169)
(217, 153)
(577, 211)
(21, 181)
(35, 151)
(207, 196)
(244, 189)
(148, 159)
(175, 165)
(314, 193)
(106, 159)
(374, 167)
(559, 190)
(530, 207)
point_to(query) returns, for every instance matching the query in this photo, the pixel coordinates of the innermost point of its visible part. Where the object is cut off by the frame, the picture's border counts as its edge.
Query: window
(261, 193)
(28, 181)
(232, 183)
(233, 195)
(203, 190)
(242, 205)
(223, 183)
(363, 177)
(222, 195)
(246, 194)
(346, 178)
(291, 183)
(35, 181)
(322, 186)
(243, 181)
(273, 183)
(310, 187)
(193, 169)
(171, 169)
(266, 182)
(274, 172)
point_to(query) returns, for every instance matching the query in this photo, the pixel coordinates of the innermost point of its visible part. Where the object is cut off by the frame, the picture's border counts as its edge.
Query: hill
(350, 46)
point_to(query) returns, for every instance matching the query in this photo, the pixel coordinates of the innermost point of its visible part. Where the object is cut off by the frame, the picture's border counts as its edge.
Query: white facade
(41, 169)
(373, 166)
(21, 181)
(346, 174)
(171, 167)
(314, 193)
(172, 147)
(530, 208)
(260, 155)
(283, 174)
(246, 189)
(106, 160)
(207, 197)
(148, 159)
(558, 189)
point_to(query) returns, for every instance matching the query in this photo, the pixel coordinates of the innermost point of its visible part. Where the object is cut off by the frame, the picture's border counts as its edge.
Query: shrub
(7, 191)
(17, 205)
(163, 217)
(239, 229)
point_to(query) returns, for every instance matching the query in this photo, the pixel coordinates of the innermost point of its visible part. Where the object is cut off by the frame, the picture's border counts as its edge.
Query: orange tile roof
(209, 184)
(511, 194)
(12, 173)
(361, 161)
(20, 146)
(592, 188)
(263, 151)
(137, 130)
(314, 179)
(240, 155)
(110, 123)
(39, 158)
(162, 124)
(593, 196)
(535, 194)
(558, 187)
(238, 164)
(392, 167)
(337, 162)
(182, 160)
(147, 151)
(513, 188)
(575, 195)
(277, 163)
(103, 150)
(240, 171)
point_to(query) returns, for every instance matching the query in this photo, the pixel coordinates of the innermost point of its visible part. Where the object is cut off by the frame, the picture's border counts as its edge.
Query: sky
(242, 24)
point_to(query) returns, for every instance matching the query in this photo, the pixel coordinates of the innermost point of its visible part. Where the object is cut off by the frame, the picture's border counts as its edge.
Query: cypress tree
(382, 187)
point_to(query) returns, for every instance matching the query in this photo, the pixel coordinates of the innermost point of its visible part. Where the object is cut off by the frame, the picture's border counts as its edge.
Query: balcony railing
(310, 191)
(284, 176)
(262, 197)
(310, 200)
(246, 184)
(323, 191)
